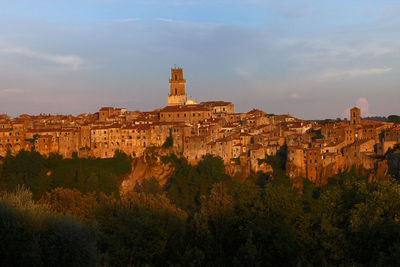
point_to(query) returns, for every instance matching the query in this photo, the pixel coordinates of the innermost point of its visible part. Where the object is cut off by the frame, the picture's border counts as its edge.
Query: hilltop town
(193, 130)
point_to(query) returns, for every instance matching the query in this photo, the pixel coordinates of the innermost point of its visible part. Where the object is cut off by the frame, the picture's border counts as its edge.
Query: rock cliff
(147, 166)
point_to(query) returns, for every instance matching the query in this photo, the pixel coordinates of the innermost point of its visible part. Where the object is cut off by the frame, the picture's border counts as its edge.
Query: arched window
(176, 91)
(176, 77)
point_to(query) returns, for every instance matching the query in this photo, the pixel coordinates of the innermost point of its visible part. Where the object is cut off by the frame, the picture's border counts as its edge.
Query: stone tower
(355, 116)
(177, 94)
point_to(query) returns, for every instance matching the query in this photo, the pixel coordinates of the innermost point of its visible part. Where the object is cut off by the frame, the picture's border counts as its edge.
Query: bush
(32, 235)
(140, 230)
(169, 142)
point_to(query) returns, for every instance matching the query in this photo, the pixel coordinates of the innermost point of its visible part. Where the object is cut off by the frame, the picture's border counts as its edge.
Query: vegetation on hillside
(42, 174)
(203, 217)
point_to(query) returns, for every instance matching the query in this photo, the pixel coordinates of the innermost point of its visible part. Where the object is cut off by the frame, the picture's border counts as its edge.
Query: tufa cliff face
(151, 165)
(147, 166)
(142, 170)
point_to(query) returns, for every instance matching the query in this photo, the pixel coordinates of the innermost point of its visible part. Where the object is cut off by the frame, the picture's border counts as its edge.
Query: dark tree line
(203, 217)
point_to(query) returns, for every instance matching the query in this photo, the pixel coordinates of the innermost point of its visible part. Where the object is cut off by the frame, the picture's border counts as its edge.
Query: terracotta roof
(360, 142)
(46, 136)
(372, 122)
(43, 130)
(215, 103)
(187, 108)
(255, 146)
(106, 108)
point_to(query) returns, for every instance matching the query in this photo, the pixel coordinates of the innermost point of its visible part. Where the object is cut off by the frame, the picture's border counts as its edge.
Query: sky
(313, 59)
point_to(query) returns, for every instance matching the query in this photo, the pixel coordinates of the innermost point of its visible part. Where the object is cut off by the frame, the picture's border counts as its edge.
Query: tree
(71, 202)
(188, 183)
(169, 142)
(394, 118)
(150, 186)
(32, 235)
(32, 141)
(140, 229)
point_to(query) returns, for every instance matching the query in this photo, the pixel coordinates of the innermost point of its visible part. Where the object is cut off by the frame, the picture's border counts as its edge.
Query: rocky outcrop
(242, 171)
(147, 166)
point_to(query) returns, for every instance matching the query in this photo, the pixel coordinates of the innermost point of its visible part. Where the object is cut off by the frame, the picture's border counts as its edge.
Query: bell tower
(355, 116)
(177, 94)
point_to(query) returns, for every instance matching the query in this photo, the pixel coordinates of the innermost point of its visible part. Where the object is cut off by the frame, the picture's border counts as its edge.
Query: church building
(177, 95)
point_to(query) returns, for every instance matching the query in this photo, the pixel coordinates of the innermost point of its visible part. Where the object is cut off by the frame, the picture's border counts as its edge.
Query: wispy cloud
(338, 50)
(361, 103)
(354, 73)
(6, 92)
(126, 20)
(70, 60)
(165, 20)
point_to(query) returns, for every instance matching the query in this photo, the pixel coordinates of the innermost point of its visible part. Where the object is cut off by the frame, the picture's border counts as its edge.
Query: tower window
(176, 91)
(176, 77)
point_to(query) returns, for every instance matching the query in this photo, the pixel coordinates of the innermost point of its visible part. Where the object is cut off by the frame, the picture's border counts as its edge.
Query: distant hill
(391, 118)
(376, 118)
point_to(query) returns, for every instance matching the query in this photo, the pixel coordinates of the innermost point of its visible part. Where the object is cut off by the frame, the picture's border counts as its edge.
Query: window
(176, 91)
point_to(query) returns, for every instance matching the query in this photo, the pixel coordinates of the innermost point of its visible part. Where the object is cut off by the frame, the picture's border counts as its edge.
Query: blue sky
(312, 59)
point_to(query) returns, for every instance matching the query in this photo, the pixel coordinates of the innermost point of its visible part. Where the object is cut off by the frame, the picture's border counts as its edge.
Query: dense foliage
(390, 118)
(394, 118)
(169, 142)
(204, 218)
(32, 235)
(42, 174)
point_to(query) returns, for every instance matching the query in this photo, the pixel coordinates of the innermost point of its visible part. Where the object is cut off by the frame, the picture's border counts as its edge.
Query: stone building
(177, 95)
(314, 151)
(219, 109)
(190, 113)
(355, 116)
